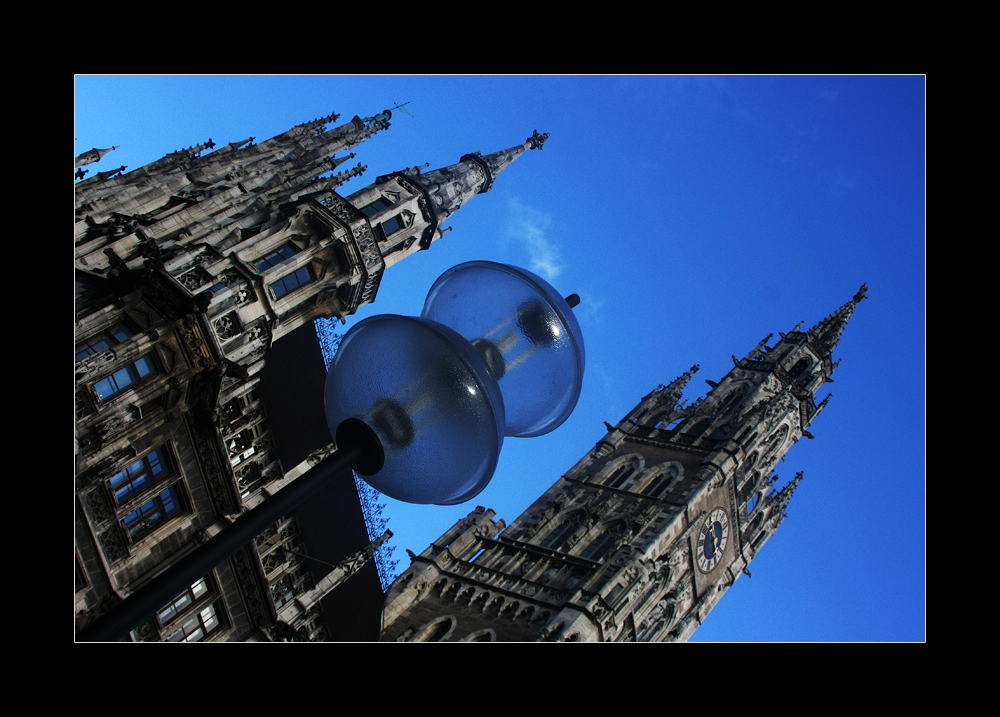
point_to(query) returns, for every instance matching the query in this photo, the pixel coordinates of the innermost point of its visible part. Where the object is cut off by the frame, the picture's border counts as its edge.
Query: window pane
(152, 513)
(103, 342)
(123, 379)
(122, 333)
(292, 281)
(199, 588)
(208, 618)
(175, 608)
(105, 388)
(393, 225)
(169, 502)
(272, 260)
(156, 464)
(126, 475)
(375, 207)
(144, 366)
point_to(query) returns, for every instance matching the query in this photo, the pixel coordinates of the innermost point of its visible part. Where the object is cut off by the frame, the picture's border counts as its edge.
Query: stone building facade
(189, 271)
(645, 534)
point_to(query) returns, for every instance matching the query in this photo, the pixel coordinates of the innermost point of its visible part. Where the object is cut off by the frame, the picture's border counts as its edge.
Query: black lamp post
(419, 407)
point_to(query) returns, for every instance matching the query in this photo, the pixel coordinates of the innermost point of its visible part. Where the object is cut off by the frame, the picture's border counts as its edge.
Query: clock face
(712, 539)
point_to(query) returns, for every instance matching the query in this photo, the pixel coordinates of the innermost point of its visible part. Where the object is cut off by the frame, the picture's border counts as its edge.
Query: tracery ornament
(193, 279)
(226, 327)
(258, 331)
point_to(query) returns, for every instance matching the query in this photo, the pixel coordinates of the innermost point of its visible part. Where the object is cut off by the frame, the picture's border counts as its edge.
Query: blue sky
(694, 216)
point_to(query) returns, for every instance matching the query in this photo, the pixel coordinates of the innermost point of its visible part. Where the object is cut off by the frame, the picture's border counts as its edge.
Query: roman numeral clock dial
(712, 539)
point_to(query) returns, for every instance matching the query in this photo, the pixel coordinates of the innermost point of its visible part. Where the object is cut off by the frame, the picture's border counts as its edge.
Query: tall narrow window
(661, 482)
(558, 537)
(124, 378)
(599, 547)
(619, 475)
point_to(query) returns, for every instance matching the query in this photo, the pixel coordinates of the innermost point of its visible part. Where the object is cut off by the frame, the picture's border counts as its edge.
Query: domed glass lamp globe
(524, 330)
(496, 352)
(418, 406)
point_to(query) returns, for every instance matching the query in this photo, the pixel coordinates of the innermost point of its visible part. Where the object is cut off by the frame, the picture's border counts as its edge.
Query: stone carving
(226, 327)
(193, 279)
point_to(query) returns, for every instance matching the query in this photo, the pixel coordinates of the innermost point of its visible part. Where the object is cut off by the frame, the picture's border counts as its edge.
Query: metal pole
(133, 610)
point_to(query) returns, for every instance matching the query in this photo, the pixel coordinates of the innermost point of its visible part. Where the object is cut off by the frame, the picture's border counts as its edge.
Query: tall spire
(452, 186)
(826, 334)
(93, 155)
(670, 395)
(778, 500)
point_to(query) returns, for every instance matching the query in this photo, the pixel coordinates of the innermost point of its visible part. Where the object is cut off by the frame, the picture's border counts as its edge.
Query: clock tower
(644, 535)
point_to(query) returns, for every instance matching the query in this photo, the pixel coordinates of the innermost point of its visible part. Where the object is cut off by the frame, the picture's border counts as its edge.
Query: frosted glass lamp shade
(428, 396)
(525, 332)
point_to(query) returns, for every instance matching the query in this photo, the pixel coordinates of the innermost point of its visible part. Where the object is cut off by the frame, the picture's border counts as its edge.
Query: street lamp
(419, 407)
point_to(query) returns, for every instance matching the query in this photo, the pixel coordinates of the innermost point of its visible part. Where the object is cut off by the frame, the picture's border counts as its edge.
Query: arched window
(486, 635)
(599, 547)
(753, 503)
(619, 475)
(437, 630)
(617, 472)
(558, 537)
(661, 481)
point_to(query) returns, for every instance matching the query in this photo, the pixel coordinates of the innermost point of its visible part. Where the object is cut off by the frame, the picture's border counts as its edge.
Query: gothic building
(644, 535)
(191, 273)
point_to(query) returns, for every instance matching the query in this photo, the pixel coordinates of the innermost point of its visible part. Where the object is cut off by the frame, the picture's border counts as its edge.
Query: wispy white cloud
(530, 227)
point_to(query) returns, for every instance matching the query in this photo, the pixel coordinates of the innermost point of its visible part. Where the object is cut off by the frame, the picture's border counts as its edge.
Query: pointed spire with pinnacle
(779, 499)
(92, 156)
(451, 187)
(670, 395)
(826, 334)
(760, 350)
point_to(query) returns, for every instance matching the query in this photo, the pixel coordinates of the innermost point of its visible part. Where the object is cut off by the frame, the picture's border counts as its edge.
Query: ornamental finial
(536, 140)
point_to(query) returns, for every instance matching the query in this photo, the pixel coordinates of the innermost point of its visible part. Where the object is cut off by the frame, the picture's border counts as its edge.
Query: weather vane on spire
(400, 107)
